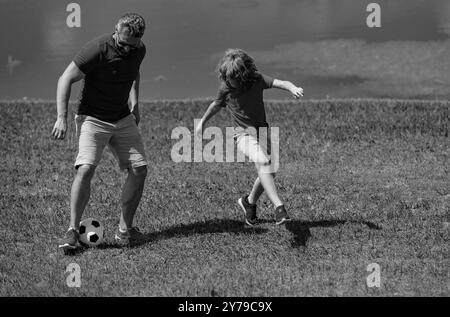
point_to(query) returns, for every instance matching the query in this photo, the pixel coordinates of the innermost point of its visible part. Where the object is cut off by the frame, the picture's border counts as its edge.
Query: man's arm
(71, 75)
(296, 92)
(210, 112)
(134, 99)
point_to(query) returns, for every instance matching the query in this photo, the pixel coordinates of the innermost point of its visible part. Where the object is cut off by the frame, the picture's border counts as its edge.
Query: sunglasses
(123, 44)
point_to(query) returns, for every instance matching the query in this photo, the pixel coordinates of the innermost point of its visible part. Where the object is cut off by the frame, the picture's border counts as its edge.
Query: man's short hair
(134, 23)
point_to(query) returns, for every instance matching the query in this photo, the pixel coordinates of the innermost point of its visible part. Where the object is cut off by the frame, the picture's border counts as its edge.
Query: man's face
(124, 42)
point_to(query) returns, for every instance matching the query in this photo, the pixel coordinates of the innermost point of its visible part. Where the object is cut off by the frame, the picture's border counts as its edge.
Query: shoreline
(272, 101)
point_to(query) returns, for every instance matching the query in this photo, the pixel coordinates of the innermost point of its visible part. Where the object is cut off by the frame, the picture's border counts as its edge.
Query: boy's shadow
(183, 230)
(301, 229)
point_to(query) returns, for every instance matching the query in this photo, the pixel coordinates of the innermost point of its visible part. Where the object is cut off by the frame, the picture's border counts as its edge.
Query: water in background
(323, 45)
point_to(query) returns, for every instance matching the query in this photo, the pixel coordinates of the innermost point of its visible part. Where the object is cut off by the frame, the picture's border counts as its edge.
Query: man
(109, 66)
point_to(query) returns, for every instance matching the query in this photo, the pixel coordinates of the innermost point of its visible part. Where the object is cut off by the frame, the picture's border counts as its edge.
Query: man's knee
(86, 171)
(140, 172)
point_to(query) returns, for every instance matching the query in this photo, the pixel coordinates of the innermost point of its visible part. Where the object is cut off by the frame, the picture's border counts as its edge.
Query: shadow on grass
(301, 232)
(184, 230)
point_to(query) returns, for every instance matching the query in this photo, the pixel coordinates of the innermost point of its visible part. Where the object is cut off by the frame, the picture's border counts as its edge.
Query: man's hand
(137, 115)
(296, 92)
(60, 128)
(133, 99)
(71, 75)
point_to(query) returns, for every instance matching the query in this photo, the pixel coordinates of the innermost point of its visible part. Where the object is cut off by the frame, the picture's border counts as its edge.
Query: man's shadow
(237, 227)
(301, 229)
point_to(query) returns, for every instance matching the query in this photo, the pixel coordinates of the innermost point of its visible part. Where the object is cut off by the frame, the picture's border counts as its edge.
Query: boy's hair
(236, 64)
(134, 23)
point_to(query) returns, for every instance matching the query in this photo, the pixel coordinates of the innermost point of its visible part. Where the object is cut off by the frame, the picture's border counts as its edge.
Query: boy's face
(233, 83)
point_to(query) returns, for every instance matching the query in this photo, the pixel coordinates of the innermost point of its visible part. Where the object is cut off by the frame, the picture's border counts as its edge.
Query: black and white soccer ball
(91, 232)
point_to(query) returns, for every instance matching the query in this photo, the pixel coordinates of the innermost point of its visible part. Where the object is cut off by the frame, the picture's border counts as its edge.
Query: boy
(241, 91)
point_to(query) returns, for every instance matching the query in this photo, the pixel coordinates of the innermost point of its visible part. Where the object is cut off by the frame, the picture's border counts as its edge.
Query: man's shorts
(257, 146)
(122, 137)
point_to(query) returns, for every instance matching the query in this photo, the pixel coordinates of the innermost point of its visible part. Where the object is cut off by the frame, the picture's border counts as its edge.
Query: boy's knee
(140, 171)
(263, 161)
(264, 165)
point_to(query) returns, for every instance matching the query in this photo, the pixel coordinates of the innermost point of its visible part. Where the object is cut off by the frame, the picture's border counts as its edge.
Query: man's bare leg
(80, 193)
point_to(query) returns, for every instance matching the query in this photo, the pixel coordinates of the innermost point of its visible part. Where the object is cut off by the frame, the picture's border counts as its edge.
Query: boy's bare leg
(256, 192)
(268, 183)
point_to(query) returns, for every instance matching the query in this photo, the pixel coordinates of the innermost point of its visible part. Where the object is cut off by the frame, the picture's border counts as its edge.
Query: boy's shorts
(122, 137)
(257, 146)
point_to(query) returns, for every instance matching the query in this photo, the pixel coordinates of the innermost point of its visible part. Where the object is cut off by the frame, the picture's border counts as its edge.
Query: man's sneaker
(249, 211)
(70, 240)
(281, 216)
(131, 236)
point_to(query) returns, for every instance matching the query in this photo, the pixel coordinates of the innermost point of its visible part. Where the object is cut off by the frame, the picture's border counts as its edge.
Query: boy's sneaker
(70, 240)
(249, 210)
(281, 215)
(130, 236)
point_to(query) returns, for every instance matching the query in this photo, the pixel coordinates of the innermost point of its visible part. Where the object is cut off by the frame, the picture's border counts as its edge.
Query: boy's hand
(297, 92)
(199, 129)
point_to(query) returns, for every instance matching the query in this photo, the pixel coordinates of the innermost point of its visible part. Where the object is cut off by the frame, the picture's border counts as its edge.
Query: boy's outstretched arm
(296, 92)
(210, 112)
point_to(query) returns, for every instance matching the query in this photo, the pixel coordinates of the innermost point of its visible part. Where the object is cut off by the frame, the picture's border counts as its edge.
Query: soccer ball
(91, 232)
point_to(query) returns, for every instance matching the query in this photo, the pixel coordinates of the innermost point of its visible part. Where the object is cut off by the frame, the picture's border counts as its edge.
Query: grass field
(366, 181)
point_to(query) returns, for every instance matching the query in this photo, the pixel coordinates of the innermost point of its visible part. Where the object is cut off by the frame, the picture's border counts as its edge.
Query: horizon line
(436, 99)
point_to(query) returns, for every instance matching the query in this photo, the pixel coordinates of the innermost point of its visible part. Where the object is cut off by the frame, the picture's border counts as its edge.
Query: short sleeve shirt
(108, 80)
(247, 107)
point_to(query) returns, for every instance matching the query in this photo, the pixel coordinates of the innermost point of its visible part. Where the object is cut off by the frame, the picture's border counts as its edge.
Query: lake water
(324, 46)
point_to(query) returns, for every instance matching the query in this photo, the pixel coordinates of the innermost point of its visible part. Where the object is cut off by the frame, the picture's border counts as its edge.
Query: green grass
(366, 181)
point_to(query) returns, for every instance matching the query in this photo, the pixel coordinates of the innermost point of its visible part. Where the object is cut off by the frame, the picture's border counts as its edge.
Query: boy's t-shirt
(108, 80)
(247, 107)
